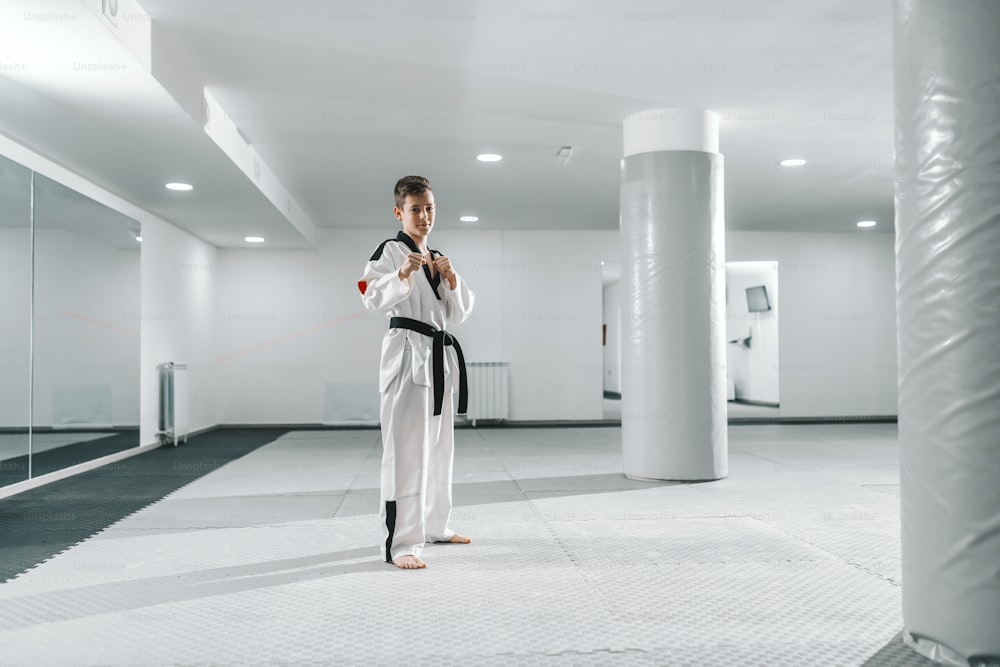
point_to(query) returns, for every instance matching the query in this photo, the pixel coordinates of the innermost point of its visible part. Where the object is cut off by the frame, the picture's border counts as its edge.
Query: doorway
(752, 339)
(611, 339)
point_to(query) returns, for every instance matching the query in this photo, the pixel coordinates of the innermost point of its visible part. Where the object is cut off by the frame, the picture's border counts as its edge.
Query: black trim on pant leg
(390, 523)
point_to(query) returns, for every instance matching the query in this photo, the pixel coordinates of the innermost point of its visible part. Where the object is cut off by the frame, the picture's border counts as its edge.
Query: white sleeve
(381, 287)
(458, 302)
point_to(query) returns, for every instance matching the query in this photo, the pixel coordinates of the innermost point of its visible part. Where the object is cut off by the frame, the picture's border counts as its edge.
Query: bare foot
(408, 562)
(458, 539)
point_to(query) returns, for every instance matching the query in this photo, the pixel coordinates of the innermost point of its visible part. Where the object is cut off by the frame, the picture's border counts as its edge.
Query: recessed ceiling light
(139, 239)
(489, 157)
(793, 162)
(469, 218)
(180, 186)
(867, 223)
(254, 239)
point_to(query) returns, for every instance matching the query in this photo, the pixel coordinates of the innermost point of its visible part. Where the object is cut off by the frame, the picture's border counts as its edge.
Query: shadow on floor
(119, 596)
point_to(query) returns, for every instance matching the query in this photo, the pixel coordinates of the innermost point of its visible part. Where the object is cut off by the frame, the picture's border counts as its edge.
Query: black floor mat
(16, 469)
(37, 524)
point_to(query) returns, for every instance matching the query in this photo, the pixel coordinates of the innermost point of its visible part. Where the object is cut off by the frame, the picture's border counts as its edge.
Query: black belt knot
(440, 339)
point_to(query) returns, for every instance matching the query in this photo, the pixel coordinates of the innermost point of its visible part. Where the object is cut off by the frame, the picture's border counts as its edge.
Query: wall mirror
(85, 398)
(15, 320)
(69, 336)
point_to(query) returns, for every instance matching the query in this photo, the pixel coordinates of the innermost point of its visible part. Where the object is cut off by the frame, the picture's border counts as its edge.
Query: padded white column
(673, 297)
(947, 99)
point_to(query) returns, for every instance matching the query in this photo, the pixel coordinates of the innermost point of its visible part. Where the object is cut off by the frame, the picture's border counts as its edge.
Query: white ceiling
(341, 99)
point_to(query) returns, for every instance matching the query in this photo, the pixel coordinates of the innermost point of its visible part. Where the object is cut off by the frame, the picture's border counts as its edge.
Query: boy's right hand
(412, 263)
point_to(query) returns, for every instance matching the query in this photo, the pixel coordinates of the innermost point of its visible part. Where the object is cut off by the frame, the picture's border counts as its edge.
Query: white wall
(552, 320)
(178, 318)
(292, 330)
(837, 328)
(287, 341)
(613, 344)
(754, 369)
(296, 345)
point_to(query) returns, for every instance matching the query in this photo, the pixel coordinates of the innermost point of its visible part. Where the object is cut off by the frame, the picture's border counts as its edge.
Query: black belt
(441, 338)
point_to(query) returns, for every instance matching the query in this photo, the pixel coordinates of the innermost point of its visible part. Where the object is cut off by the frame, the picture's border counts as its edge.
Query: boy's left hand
(443, 266)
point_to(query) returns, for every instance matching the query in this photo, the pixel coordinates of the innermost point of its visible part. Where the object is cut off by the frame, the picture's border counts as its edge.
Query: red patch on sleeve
(363, 286)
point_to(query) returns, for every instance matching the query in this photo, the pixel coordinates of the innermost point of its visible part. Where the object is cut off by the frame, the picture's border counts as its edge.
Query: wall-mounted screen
(757, 299)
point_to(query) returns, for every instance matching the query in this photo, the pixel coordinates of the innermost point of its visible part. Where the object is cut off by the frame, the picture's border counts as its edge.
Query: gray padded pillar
(673, 298)
(947, 98)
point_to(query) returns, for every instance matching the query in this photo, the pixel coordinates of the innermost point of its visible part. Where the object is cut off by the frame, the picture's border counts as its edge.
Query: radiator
(488, 391)
(174, 421)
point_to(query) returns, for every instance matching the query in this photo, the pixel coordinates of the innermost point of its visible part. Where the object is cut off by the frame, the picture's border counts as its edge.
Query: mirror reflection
(15, 330)
(85, 398)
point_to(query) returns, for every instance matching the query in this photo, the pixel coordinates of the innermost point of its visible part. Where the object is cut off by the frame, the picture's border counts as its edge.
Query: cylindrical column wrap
(947, 99)
(673, 300)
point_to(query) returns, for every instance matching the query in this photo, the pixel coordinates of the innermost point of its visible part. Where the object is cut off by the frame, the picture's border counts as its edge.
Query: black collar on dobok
(405, 238)
(436, 280)
(441, 338)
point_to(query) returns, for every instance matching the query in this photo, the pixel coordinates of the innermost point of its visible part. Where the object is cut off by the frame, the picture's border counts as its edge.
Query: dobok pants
(417, 458)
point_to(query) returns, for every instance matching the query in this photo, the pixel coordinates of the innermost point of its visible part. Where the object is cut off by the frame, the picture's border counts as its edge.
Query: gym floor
(272, 558)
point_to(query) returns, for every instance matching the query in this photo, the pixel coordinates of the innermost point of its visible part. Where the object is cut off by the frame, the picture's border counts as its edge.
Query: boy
(421, 293)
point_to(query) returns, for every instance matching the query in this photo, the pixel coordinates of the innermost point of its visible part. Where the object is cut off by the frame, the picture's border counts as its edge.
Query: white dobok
(418, 446)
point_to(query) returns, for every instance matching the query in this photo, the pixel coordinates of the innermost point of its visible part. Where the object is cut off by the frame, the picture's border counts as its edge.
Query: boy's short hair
(410, 185)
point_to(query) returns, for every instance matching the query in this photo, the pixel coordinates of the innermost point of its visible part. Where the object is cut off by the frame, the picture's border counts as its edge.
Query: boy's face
(417, 215)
